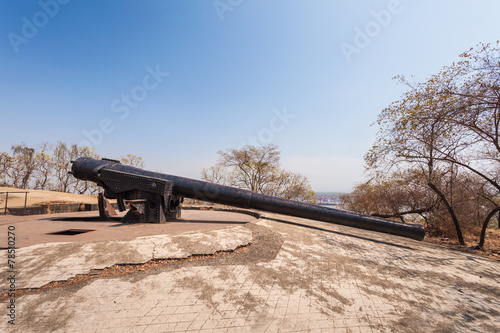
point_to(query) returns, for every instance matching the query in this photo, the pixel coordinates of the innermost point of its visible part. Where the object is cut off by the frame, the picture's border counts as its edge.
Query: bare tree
(292, 186)
(23, 165)
(451, 121)
(216, 174)
(45, 167)
(258, 170)
(5, 167)
(84, 186)
(251, 167)
(132, 160)
(401, 195)
(63, 154)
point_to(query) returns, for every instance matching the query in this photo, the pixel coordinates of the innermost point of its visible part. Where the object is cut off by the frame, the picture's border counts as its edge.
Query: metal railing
(7, 200)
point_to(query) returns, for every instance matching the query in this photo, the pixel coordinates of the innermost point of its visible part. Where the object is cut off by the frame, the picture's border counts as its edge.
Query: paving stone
(336, 279)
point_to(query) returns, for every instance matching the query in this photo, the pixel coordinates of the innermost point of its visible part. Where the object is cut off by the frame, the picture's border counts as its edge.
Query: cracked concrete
(41, 264)
(297, 276)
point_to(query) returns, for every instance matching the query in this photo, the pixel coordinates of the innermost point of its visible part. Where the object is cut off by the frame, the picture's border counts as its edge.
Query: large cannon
(156, 197)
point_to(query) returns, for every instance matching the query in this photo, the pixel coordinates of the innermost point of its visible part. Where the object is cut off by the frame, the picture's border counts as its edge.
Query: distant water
(330, 193)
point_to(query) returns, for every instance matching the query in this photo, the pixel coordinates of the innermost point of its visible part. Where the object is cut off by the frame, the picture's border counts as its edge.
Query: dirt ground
(37, 197)
(491, 245)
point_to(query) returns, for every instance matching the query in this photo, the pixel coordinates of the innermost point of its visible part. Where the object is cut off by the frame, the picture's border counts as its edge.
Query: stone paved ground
(296, 276)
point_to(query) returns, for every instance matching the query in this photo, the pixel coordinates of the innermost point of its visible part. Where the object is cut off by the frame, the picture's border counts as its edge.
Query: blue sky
(177, 81)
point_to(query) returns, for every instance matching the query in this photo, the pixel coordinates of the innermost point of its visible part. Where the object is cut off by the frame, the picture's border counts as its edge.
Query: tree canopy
(258, 170)
(46, 166)
(446, 129)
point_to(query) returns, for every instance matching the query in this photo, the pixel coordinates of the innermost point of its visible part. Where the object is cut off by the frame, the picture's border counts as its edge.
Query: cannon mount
(156, 197)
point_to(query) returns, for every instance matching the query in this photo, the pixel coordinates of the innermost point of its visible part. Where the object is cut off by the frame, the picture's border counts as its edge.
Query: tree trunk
(451, 211)
(485, 226)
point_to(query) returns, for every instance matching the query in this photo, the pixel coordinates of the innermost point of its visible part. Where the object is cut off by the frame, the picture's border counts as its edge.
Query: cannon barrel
(104, 171)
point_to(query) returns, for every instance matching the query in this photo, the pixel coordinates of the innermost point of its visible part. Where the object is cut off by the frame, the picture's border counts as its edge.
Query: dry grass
(491, 245)
(37, 197)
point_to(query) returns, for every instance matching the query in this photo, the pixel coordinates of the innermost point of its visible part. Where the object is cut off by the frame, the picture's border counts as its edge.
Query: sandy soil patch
(37, 197)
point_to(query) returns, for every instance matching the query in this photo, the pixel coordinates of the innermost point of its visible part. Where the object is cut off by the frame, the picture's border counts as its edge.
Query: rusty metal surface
(106, 211)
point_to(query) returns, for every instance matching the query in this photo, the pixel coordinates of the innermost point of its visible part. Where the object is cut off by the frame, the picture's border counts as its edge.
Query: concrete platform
(275, 274)
(85, 226)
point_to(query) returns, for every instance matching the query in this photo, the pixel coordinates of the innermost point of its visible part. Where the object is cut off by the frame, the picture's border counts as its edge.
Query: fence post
(6, 199)
(25, 201)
